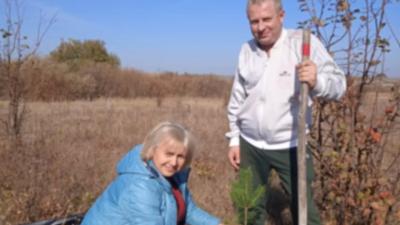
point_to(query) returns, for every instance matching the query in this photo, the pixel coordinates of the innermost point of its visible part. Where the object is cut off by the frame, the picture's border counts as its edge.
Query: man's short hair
(278, 3)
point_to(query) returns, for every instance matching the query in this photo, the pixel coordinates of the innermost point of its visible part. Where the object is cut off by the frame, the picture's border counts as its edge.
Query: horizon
(180, 36)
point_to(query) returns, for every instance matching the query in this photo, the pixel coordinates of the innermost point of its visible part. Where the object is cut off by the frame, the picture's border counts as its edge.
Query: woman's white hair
(168, 130)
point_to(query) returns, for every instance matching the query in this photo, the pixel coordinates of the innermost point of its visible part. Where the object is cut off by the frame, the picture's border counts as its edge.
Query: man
(264, 102)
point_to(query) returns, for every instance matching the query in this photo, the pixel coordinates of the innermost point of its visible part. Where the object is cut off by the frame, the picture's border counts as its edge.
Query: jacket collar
(260, 52)
(180, 177)
(132, 163)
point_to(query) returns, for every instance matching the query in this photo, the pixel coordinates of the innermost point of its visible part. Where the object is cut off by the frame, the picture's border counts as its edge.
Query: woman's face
(169, 156)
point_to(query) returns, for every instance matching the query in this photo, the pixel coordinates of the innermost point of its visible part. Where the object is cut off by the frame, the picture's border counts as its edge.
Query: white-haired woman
(151, 186)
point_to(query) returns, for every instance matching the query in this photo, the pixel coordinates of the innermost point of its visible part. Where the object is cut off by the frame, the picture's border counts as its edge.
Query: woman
(151, 187)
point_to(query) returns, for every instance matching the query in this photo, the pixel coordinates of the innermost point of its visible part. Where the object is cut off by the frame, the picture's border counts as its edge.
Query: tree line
(87, 70)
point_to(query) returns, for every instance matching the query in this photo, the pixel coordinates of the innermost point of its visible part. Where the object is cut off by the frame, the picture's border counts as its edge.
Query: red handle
(306, 45)
(306, 50)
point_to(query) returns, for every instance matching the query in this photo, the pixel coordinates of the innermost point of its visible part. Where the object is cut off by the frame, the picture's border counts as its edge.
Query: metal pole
(301, 148)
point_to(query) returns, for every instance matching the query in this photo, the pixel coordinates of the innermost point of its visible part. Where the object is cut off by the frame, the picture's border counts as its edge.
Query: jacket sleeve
(237, 98)
(196, 215)
(331, 81)
(141, 203)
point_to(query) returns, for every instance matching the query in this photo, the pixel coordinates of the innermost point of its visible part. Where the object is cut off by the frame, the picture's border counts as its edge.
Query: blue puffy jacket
(140, 195)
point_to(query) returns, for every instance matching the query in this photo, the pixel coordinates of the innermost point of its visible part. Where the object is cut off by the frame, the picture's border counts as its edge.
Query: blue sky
(194, 36)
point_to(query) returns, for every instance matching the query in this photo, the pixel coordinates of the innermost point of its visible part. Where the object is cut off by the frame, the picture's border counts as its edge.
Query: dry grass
(70, 150)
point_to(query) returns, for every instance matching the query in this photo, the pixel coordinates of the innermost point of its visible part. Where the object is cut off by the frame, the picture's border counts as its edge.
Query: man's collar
(277, 44)
(281, 39)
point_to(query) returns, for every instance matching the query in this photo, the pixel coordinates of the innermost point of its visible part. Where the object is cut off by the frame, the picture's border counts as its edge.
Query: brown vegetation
(78, 124)
(79, 121)
(47, 80)
(83, 115)
(70, 149)
(357, 163)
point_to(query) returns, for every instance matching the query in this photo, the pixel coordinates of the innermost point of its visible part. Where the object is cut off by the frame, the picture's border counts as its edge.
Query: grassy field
(70, 150)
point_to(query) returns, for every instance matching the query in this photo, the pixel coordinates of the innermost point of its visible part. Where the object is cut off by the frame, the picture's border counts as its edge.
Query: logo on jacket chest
(284, 74)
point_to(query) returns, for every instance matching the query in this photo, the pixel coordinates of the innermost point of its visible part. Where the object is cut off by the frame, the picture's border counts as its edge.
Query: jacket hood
(132, 163)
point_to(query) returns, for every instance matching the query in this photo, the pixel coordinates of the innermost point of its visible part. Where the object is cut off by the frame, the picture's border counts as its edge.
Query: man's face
(265, 23)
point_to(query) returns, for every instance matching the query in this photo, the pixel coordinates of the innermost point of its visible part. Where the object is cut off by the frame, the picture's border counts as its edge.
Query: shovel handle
(301, 149)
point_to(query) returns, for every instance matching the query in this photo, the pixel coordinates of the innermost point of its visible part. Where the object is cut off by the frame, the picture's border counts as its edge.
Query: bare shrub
(14, 51)
(356, 173)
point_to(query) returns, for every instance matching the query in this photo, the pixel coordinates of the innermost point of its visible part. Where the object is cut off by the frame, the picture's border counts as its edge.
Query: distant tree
(77, 53)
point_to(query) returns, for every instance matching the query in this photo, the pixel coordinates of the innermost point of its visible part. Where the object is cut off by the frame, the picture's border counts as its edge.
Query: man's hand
(234, 157)
(307, 72)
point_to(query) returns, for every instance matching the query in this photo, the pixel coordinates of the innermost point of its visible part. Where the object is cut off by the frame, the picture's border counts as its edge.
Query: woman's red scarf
(180, 202)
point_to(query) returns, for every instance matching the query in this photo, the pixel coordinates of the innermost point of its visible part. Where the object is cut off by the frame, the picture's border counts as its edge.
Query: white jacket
(264, 102)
